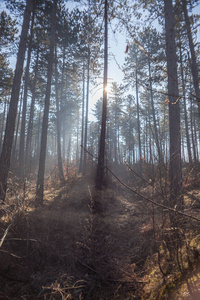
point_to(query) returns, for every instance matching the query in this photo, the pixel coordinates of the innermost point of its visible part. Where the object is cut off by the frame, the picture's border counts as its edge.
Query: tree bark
(14, 154)
(185, 109)
(30, 122)
(86, 113)
(175, 172)
(60, 166)
(23, 122)
(3, 123)
(138, 117)
(11, 117)
(82, 127)
(160, 156)
(40, 177)
(100, 167)
(192, 132)
(194, 66)
(63, 108)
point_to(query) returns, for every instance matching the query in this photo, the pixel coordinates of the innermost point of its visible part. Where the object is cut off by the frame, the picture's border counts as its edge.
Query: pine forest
(100, 149)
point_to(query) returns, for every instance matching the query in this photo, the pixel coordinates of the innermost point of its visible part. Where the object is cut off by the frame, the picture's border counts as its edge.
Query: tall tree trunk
(138, 117)
(194, 65)
(82, 127)
(115, 135)
(14, 154)
(165, 136)
(62, 106)
(11, 117)
(192, 132)
(23, 122)
(3, 123)
(64, 136)
(131, 139)
(175, 171)
(185, 108)
(77, 141)
(31, 115)
(118, 145)
(69, 151)
(86, 113)
(36, 147)
(100, 167)
(60, 166)
(40, 177)
(160, 156)
(195, 138)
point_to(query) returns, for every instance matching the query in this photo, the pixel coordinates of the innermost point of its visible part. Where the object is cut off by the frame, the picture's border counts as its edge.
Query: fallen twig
(5, 234)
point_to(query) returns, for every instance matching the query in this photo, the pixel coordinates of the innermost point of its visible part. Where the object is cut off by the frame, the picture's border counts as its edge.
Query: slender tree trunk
(118, 145)
(36, 147)
(115, 136)
(69, 150)
(86, 113)
(183, 150)
(185, 109)
(195, 138)
(23, 122)
(165, 136)
(133, 154)
(64, 136)
(40, 178)
(32, 108)
(130, 142)
(131, 136)
(100, 167)
(82, 127)
(3, 123)
(150, 149)
(175, 171)
(138, 117)
(194, 65)
(63, 109)
(60, 166)
(10, 122)
(192, 132)
(154, 116)
(15, 153)
(77, 141)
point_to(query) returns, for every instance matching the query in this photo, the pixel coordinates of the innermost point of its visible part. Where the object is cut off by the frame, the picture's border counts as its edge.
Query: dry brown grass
(77, 244)
(83, 244)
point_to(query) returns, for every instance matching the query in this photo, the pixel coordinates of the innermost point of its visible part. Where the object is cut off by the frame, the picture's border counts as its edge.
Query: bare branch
(177, 212)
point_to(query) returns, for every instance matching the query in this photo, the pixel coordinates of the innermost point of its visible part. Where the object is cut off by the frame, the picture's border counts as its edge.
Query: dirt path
(83, 244)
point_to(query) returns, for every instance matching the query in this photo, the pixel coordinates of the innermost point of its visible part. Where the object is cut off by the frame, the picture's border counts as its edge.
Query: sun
(108, 88)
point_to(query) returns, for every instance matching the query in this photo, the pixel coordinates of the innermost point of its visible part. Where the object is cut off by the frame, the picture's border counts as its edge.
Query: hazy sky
(117, 46)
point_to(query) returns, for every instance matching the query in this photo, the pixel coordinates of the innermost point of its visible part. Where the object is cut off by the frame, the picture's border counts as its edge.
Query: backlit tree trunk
(23, 123)
(194, 66)
(14, 155)
(160, 156)
(82, 126)
(10, 122)
(101, 158)
(60, 165)
(86, 113)
(185, 109)
(40, 177)
(138, 117)
(175, 173)
(31, 115)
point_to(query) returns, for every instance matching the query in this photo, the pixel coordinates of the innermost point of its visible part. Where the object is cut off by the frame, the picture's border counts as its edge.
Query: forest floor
(89, 244)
